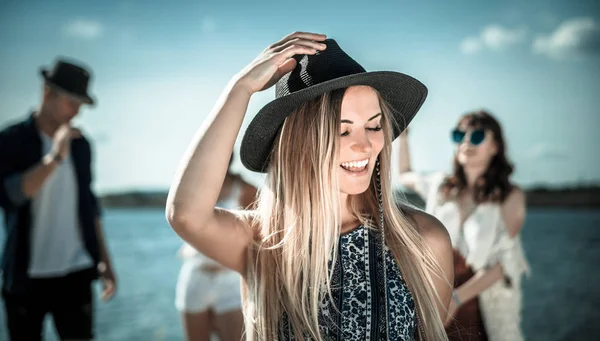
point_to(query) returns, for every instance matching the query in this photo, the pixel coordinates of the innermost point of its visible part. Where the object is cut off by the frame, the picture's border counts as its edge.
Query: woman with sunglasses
(483, 212)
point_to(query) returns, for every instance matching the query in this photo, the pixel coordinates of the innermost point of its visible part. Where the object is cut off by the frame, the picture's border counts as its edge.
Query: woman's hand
(276, 60)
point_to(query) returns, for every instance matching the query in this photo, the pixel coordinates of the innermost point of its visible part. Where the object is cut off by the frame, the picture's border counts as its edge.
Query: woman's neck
(472, 173)
(348, 220)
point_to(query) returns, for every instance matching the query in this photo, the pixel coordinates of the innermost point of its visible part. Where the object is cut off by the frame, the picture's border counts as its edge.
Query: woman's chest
(370, 297)
(469, 226)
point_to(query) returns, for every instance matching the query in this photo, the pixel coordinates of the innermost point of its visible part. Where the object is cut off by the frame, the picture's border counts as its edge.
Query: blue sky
(159, 67)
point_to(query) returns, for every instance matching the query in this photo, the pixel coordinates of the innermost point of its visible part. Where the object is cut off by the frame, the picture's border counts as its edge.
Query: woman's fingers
(300, 35)
(300, 42)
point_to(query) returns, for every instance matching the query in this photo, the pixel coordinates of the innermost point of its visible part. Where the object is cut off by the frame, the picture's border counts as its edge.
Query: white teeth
(355, 164)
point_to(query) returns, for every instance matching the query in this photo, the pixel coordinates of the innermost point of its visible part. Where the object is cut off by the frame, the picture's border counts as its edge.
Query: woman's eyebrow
(370, 119)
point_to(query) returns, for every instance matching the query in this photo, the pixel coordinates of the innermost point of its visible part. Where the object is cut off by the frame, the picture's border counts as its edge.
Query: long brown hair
(494, 185)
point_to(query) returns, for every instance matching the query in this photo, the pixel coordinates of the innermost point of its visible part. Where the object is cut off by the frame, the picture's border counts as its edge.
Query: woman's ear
(495, 148)
(494, 145)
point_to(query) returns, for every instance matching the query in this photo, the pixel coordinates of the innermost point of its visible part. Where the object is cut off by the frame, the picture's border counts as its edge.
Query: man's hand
(109, 282)
(61, 144)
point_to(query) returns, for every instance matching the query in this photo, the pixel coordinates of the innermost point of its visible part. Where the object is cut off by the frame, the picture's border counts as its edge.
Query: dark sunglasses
(476, 137)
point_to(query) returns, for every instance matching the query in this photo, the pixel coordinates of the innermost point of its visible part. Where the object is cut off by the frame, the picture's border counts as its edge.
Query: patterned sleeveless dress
(359, 295)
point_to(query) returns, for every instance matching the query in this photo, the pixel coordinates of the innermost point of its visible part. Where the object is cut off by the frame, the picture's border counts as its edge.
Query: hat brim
(404, 94)
(84, 98)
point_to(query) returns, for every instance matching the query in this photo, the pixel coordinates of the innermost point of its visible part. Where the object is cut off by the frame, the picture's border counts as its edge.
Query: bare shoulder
(432, 230)
(516, 197)
(436, 237)
(514, 211)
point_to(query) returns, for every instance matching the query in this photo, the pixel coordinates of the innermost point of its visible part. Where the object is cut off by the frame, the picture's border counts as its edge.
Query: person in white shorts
(208, 294)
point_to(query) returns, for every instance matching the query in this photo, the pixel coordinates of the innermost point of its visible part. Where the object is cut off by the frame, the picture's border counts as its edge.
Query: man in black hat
(54, 246)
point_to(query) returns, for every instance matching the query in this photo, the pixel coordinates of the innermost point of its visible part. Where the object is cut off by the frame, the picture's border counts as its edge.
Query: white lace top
(484, 241)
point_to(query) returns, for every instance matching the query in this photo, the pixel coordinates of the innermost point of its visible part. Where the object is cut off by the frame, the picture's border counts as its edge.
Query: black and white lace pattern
(358, 309)
(402, 321)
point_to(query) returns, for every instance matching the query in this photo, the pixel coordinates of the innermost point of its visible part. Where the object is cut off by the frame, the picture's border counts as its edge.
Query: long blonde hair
(298, 228)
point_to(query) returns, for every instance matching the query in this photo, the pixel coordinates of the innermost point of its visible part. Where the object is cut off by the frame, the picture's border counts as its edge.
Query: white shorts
(198, 291)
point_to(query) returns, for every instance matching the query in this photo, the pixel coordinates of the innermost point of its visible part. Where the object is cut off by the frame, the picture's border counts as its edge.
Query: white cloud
(497, 37)
(572, 38)
(208, 25)
(493, 37)
(83, 28)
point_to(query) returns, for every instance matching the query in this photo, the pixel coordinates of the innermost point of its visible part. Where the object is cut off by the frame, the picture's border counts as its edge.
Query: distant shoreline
(580, 197)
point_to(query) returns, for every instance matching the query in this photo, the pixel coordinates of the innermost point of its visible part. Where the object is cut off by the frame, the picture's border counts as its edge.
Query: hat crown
(72, 78)
(323, 66)
(69, 76)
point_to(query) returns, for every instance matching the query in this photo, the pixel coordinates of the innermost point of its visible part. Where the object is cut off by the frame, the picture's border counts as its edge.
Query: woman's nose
(362, 143)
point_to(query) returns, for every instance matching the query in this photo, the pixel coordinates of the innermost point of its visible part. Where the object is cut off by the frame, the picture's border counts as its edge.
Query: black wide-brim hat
(69, 78)
(314, 75)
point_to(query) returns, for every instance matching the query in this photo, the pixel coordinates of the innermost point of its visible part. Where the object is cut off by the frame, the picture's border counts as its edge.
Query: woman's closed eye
(347, 132)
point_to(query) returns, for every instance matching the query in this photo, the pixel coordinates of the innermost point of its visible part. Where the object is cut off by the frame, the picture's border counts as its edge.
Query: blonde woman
(327, 255)
(484, 212)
